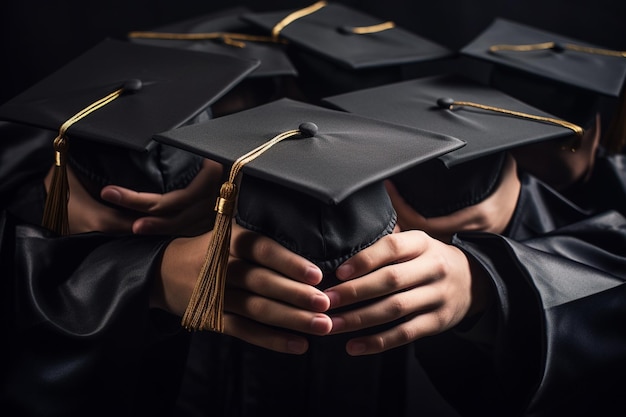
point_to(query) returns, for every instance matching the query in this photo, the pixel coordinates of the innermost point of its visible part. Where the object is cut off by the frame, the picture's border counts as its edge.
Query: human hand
(431, 286)
(270, 293)
(490, 215)
(85, 214)
(184, 212)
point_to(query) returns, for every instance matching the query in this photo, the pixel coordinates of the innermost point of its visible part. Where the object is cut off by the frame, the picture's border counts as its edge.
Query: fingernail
(313, 275)
(321, 325)
(320, 302)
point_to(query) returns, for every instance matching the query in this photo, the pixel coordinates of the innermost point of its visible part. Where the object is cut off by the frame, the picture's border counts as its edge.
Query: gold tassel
(448, 103)
(55, 216)
(205, 310)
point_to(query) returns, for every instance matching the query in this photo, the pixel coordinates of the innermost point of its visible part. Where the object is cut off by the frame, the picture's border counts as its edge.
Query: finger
(176, 225)
(274, 313)
(270, 284)
(130, 199)
(388, 309)
(382, 282)
(264, 251)
(417, 327)
(204, 184)
(393, 248)
(203, 188)
(263, 336)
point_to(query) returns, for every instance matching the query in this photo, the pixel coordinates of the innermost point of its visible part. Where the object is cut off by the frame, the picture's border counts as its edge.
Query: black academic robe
(79, 337)
(553, 343)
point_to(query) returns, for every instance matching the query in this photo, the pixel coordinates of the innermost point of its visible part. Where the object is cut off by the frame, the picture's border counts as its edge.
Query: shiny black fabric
(80, 337)
(540, 209)
(606, 189)
(559, 346)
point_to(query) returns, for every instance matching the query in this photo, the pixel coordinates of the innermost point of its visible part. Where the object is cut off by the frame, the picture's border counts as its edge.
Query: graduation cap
(223, 32)
(337, 48)
(311, 178)
(489, 121)
(108, 102)
(564, 76)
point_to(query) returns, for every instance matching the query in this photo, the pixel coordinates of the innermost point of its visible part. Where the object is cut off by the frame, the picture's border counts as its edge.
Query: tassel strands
(55, 215)
(205, 310)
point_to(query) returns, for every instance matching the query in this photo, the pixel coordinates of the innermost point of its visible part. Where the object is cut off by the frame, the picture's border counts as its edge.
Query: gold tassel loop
(292, 17)
(205, 310)
(558, 47)
(55, 216)
(448, 103)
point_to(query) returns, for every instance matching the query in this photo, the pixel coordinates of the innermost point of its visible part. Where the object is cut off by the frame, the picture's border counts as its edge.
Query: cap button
(558, 47)
(445, 102)
(308, 129)
(132, 85)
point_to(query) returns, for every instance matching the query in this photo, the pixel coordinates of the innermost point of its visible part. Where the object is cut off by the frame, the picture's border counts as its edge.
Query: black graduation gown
(560, 344)
(80, 338)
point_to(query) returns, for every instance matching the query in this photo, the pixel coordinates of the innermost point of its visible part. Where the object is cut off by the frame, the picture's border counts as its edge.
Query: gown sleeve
(559, 344)
(80, 337)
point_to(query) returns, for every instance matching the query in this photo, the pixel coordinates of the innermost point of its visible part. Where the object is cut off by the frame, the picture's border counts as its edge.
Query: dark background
(38, 36)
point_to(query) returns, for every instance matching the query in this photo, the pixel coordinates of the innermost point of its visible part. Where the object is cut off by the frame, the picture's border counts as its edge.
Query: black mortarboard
(319, 191)
(337, 48)
(113, 98)
(222, 32)
(564, 76)
(467, 175)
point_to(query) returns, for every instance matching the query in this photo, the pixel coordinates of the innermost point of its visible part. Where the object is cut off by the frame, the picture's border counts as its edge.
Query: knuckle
(393, 279)
(394, 242)
(255, 307)
(405, 335)
(396, 308)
